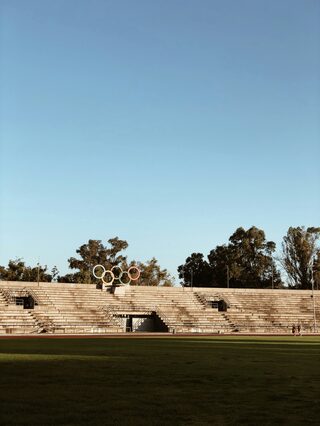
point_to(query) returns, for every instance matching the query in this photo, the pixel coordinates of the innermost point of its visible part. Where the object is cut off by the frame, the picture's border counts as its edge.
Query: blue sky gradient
(166, 123)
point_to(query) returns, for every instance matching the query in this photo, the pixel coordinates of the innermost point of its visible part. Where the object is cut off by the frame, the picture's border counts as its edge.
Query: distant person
(299, 330)
(293, 329)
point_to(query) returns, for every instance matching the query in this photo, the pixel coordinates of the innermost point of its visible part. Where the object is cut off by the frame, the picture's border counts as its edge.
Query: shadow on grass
(159, 382)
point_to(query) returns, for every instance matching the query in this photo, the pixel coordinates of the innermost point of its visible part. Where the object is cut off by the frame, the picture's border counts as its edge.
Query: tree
(247, 261)
(300, 256)
(54, 273)
(94, 253)
(153, 275)
(18, 271)
(316, 271)
(223, 266)
(195, 272)
(251, 261)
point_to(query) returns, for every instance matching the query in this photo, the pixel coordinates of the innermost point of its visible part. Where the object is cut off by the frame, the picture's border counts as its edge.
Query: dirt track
(132, 335)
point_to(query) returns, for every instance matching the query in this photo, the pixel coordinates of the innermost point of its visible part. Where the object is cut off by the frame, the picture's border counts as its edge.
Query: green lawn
(169, 381)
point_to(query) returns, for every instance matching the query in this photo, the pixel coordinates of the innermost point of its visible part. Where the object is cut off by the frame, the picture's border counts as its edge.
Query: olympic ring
(103, 273)
(118, 276)
(130, 275)
(115, 276)
(120, 279)
(112, 278)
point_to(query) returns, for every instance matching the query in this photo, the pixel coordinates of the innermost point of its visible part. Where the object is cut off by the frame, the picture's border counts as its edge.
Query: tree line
(248, 260)
(92, 253)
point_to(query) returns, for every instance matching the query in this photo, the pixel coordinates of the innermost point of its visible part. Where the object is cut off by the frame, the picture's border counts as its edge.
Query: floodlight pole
(314, 309)
(228, 277)
(272, 271)
(38, 274)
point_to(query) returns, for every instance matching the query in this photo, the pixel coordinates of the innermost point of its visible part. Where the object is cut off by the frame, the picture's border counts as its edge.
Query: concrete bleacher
(60, 308)
(82, 308)
(267, 311)
(179, 309)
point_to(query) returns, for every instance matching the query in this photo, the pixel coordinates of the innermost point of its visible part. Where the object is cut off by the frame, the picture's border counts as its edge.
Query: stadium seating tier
(82, 308)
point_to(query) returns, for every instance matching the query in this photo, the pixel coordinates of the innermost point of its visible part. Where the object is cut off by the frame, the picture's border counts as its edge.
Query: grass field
(167, 381)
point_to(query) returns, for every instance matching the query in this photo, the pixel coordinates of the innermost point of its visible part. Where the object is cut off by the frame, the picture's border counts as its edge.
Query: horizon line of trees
(247, 261)
(92, 253)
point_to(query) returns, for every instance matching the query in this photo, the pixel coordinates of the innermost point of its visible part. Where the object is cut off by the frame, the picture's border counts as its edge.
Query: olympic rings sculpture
(117, 273)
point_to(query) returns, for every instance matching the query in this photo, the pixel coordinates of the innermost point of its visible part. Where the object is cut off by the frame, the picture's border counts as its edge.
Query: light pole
(314, 309)
(272, 270)
(228, 277)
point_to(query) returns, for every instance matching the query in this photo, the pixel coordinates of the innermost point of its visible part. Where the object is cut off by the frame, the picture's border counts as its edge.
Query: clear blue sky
(167, 123)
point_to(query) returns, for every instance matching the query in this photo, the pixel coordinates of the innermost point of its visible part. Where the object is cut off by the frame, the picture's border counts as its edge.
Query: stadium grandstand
(31, 308)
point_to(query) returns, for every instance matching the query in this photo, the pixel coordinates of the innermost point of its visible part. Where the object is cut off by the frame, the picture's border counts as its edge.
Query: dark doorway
(145, 323)
(221, 305)
(26, 301)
